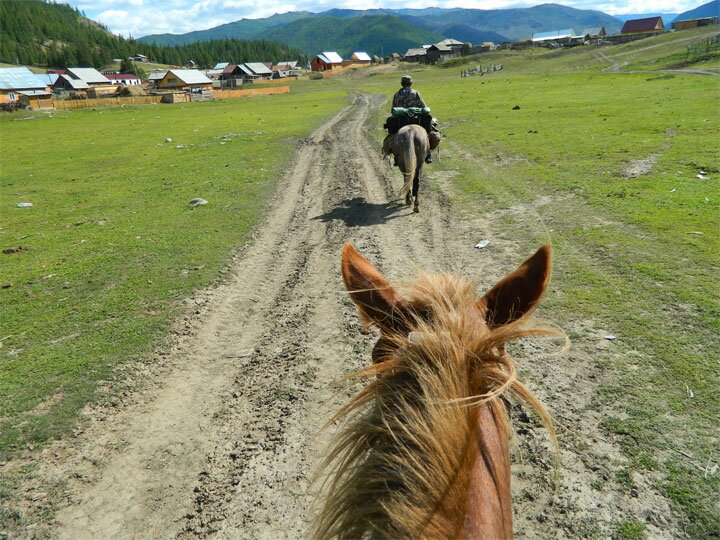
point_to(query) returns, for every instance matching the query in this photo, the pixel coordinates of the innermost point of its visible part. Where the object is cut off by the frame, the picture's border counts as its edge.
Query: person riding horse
(408, 98)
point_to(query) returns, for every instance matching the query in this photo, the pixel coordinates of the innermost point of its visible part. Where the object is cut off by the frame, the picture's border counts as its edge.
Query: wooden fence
(105, 102)
(229, 94)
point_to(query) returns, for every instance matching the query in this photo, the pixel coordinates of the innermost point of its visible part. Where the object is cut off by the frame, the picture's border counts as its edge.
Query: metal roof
(221, 65)
(592, 31)
(34, 93)
(450, 42)
(156, 75)
(121, 76)
(258, 68)
(190, 76)
(246, 70)
(48, 79)
(440, 47)
(555, 34)
(642, 25)
(75, 84)
(420, 51)
(89, 75)
(363, 56)
(332, 57)
(292, 64)
(19, 77)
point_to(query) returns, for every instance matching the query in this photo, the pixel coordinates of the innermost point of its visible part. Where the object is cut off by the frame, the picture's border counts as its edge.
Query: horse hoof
(416, 210)
(408, 200)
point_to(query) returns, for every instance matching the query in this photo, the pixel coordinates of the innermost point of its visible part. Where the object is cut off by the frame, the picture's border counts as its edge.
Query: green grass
(636, 255)
(111, 246)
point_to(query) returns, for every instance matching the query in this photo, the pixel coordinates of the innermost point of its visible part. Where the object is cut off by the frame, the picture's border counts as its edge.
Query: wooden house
(36, 99)
(415, 55)
(642, 26)
(259, 69)
(593, 33)
(187, 79)
(91, 76)
(326, 61)
(695, 23)
(438, 53)
(360, 58)
(19, 79)
(66, 83)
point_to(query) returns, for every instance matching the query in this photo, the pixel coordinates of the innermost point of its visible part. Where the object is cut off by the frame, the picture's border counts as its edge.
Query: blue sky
(142, 17)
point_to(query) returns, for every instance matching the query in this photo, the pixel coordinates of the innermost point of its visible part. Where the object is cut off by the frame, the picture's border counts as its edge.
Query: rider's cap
(406, 79)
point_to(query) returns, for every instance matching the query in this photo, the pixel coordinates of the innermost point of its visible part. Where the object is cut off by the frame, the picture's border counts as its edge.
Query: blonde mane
(401, 466)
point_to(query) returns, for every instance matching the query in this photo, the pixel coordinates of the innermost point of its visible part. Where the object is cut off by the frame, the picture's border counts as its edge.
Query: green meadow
(605, 165)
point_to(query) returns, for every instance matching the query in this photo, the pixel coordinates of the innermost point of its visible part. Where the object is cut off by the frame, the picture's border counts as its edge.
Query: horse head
(424, 453)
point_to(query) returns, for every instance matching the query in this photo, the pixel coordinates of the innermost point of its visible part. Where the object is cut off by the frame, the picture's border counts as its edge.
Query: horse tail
(410, 160)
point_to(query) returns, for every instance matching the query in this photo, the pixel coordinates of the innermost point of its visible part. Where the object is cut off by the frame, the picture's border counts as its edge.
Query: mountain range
(379, 31)
(382, 31)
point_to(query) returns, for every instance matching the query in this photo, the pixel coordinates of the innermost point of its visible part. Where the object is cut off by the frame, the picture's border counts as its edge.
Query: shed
(139, 58)
(185, 78)
(154, 77)
(640, 26)
(90, 75)
(37, 99)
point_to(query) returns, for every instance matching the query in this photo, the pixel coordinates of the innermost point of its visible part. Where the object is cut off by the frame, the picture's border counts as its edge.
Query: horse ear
(518, 293)
(377, 301)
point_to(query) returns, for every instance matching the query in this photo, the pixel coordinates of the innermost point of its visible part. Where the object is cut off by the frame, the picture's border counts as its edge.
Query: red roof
(121, 76)
(643, 25)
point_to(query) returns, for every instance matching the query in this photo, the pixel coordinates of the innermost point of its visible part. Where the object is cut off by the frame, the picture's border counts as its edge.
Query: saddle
(402, 117)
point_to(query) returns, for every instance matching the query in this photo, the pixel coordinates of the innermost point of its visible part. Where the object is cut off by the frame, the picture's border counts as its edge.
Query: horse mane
(400, 467)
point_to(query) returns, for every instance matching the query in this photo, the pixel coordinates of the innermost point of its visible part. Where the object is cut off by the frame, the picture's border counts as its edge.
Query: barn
(19, 79)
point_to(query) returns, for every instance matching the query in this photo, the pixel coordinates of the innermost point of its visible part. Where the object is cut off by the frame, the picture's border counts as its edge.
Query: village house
(437, 53)
(20, 85)
(66, 83)
(186, 79)
(415, 55)
(259, 69)
(91, 76)
(138, 58)
(154, 77)
(291, 65)
(454, 45)
(128, 79)
(554, 38)
(590, 34)
(643, 26)
(326, 61)
(361, 58)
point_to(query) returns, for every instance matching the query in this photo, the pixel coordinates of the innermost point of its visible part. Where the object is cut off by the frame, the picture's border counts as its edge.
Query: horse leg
(416, 187)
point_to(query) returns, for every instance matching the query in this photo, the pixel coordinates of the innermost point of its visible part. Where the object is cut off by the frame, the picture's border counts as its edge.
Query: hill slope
(33, 32)
(374, 34)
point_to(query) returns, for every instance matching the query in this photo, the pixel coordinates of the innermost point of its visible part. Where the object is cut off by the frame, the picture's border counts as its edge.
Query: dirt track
(224, 437)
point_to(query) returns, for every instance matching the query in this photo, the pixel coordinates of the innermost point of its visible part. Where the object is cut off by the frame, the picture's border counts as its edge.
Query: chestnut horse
(424, 453)
(410, 145)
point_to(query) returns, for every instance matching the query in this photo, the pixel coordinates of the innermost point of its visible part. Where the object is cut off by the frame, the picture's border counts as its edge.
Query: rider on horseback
(408, 98)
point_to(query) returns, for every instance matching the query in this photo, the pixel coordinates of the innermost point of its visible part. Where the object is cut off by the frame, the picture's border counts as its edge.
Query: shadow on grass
(357, 212)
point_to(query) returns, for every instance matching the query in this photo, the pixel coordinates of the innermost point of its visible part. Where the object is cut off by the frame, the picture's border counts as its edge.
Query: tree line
(40, 33)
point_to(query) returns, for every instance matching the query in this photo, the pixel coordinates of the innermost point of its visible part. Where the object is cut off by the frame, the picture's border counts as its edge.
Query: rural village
(74, 86)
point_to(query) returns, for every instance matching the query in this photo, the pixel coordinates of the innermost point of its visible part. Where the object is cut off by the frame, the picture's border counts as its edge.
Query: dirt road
(224, 436)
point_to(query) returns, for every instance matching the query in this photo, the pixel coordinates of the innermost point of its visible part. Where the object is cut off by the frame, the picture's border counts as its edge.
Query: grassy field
(111, 247)
(635, 231)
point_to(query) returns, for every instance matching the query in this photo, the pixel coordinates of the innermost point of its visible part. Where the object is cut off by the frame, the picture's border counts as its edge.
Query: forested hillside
(33, 32)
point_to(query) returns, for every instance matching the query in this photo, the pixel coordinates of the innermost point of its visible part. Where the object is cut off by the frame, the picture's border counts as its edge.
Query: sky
(138, 18)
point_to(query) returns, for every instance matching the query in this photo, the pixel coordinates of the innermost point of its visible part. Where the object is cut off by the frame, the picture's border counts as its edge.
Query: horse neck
(489, 513)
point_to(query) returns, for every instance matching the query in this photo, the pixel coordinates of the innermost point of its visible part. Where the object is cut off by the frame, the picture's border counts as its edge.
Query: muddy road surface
(222, 437)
